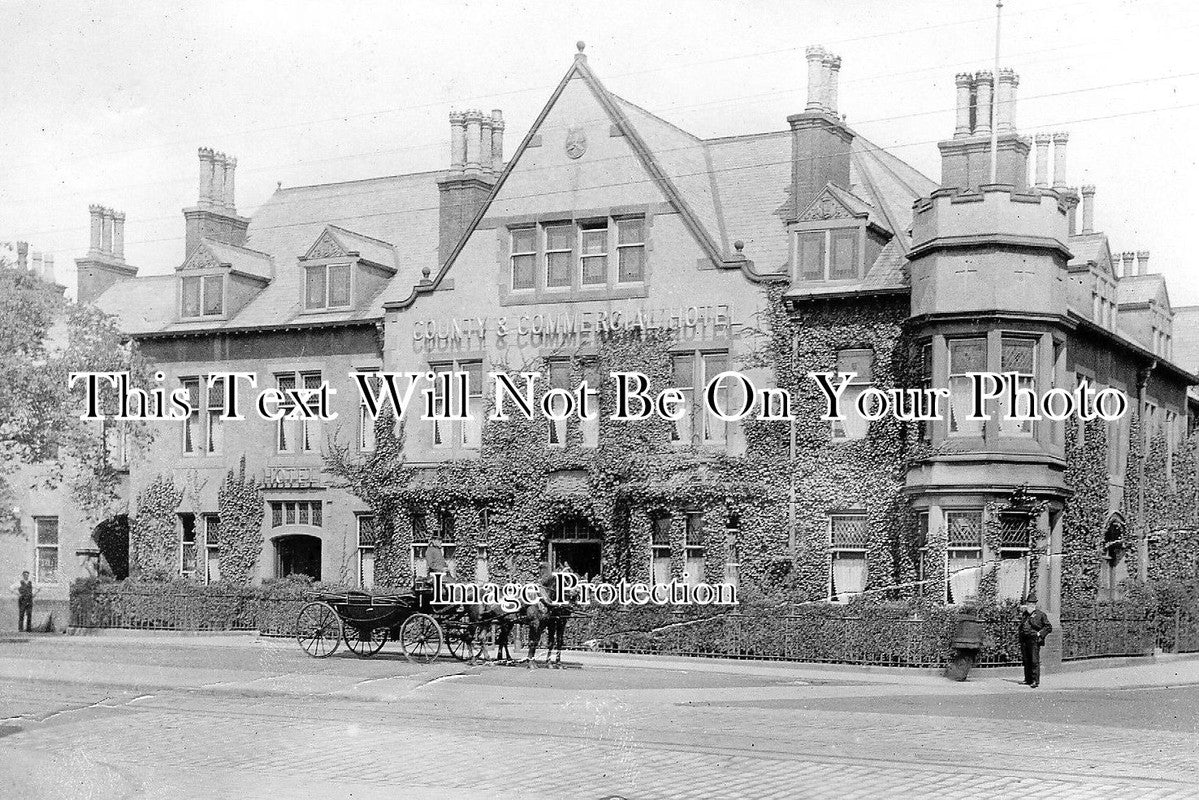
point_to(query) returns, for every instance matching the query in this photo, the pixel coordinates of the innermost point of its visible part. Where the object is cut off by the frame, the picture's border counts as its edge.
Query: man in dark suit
(1034, 628)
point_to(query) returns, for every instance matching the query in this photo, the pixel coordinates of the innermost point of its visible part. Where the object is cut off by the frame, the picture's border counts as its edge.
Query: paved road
(232, 717)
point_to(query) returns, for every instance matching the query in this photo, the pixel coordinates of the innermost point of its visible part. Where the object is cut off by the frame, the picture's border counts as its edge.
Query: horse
(532, 615)
(554, 623)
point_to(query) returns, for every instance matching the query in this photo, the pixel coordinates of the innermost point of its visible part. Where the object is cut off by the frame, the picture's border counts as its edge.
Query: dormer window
(828, 255)
(327, 286)
(203, 296)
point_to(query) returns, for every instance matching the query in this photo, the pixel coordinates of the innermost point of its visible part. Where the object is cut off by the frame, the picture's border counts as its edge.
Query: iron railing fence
(1099, 636)
(151, 609)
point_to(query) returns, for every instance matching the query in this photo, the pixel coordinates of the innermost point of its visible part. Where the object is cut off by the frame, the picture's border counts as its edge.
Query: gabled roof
(211, 253)
(1140, 289)
(336, 241)
(1186, 337)
(1092, 248)
(385, 217)
(736, 188)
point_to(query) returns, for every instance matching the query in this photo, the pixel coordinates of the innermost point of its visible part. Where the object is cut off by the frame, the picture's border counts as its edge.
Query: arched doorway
(575, 543)
(298, 554)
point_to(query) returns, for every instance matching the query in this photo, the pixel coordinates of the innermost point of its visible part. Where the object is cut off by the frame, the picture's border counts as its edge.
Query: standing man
(24, 591)
(1034, 628)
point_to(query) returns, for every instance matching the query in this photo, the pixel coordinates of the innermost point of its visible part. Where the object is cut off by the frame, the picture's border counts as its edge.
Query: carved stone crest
(576, 142)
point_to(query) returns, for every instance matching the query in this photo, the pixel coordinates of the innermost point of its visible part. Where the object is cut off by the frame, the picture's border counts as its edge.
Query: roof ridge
(209, 239)
(649, 113)
(353, 232)
(744, 136)
(358, 180)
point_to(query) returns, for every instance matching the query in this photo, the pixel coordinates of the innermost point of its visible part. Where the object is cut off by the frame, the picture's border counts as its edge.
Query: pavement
(243, 716)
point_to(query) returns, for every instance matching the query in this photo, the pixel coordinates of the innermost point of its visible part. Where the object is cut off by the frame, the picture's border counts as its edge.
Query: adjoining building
(613, 240)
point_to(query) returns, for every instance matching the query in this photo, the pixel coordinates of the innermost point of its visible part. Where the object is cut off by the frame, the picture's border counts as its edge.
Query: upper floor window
(524, 258)
(828, 255)
(449, 432)
(295, 431)
(327, 286)
(966, 356)
(203, 296)
(859, 363)
(202, 430)
(692, 372)
(630, 249)
(1018, 356)
(560, 255)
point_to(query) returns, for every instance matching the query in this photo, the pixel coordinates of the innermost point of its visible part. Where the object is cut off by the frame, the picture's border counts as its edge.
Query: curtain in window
(965, 573)
(1012, 578)
(849, 574)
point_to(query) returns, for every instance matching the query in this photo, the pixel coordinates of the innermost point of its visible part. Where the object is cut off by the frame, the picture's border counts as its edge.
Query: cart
(366, 622)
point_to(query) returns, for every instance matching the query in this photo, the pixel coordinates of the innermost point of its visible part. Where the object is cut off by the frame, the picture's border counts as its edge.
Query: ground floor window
(366, 550)
(212, 548)
(847, 562)
(188, 546)
(46, 560)
(577, 545)
(964, 556)
(693, 563)
(298, 554)
(660, 548)
(1012, 578)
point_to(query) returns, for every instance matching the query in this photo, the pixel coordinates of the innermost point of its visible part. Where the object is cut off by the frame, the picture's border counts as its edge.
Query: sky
(107, 102)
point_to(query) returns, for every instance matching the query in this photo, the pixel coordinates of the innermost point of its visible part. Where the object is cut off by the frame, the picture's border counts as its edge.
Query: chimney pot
(815, 56)
(206, 169)
(457, 141)
(95, 211)
(485, 143)
(230, 169)
(1142, 262)
(118, 235)
(1042, 141)
(1005, 100)
(497, 139)
(1088, 209)
(474, 121)
(1059, 159)
(832, 72)
(218, 181)
(983, 84)
(964, 82)
(1127, 257)
(106, 221)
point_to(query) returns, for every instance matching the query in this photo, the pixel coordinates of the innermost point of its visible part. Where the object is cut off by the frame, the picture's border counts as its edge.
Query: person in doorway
(1034, 628)
(967, 641)
(24, 590)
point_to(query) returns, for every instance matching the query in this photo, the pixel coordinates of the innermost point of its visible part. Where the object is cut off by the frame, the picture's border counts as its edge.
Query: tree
(44, 337)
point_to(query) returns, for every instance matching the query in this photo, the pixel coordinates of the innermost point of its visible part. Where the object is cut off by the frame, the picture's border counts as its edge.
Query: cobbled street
(182, 717)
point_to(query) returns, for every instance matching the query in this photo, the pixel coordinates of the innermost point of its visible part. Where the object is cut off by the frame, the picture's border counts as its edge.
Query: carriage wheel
(465, 642)
(365, 642)
(318, 629)
(421, 638)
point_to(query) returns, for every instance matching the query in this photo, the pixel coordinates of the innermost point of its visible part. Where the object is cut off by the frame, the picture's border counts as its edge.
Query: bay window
(1018, 356)
(964, 553)
(966, 356)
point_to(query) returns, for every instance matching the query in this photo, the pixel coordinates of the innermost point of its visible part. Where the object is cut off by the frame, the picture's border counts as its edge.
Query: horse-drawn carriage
(366, 622)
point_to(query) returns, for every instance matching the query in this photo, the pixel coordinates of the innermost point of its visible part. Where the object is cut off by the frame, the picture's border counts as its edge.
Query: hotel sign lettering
(559, 328)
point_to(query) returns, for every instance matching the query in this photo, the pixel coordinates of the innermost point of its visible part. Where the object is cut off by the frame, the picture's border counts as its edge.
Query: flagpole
(995, 97)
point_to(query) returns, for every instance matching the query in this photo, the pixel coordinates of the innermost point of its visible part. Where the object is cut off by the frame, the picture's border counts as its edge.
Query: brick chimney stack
(966, 158)
(1142, 262)
(820, 140)
(815, 55)
(104, 263)
(476, 159)
(214, 216)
